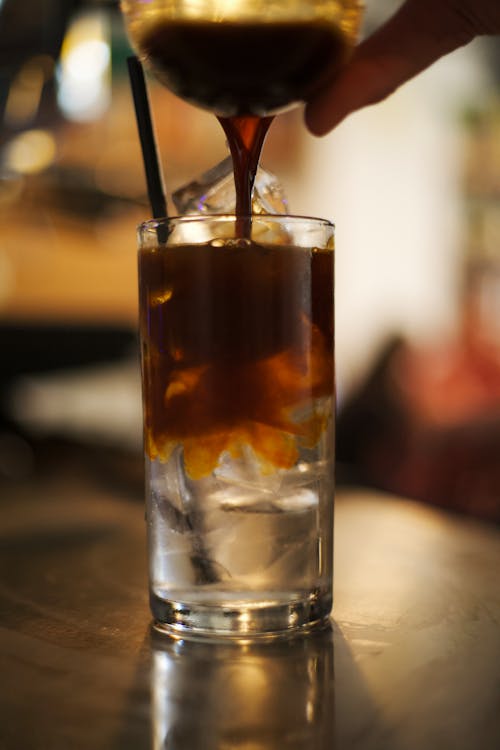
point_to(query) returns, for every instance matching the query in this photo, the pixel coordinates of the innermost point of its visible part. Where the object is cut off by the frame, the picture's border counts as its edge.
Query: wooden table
(412, 659)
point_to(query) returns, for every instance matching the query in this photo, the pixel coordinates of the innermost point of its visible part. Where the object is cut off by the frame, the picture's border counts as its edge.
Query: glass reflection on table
(257, 696)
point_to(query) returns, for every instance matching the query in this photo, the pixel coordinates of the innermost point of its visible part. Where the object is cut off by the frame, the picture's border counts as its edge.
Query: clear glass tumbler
(237, 342)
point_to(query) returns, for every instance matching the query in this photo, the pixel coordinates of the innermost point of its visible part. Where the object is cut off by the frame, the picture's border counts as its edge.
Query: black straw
(154, 179)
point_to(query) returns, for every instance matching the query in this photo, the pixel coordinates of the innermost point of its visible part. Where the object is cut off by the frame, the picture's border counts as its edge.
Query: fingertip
(329, 107)
(320, 121)
(312, 126)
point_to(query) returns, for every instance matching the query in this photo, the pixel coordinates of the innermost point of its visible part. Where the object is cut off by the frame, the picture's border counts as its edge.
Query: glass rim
(153, 224)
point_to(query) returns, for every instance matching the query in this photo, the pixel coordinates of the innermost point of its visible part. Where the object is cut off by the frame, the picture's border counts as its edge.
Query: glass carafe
(243, 57)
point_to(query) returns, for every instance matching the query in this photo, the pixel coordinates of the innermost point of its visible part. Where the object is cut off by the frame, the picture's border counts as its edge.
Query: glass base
(240, 618)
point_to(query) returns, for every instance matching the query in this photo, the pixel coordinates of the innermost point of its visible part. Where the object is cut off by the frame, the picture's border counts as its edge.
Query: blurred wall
(392, 179)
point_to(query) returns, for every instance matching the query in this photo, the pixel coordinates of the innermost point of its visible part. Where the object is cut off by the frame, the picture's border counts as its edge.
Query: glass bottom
(240, 618)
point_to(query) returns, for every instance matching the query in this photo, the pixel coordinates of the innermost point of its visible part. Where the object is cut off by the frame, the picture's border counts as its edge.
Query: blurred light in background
(25, 93)
(30, 152)
(84, 71)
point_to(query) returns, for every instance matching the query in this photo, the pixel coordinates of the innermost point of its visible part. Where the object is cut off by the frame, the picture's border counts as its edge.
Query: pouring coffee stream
(245, 137)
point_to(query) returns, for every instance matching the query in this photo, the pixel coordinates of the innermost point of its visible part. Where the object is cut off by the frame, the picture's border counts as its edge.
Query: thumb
(419, 33)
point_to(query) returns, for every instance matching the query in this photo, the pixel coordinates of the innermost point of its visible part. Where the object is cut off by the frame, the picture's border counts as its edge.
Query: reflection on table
(262, 695)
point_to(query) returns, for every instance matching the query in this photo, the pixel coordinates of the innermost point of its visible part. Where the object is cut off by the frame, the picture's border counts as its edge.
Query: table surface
(411, 660)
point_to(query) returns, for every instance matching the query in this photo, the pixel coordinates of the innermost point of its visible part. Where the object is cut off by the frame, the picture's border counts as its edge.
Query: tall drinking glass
(238, 390)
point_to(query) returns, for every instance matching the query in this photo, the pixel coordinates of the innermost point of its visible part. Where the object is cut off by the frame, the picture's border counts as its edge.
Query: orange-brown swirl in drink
(237, 350)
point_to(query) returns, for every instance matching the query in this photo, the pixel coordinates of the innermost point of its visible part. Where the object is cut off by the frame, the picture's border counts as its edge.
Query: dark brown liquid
(237, 348)
(245, 137)
(243, 68)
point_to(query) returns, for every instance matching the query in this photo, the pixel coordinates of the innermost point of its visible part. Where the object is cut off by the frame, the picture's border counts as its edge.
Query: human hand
(417, 35)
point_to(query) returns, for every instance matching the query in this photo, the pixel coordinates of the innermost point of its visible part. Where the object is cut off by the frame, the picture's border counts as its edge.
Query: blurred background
(413, 186)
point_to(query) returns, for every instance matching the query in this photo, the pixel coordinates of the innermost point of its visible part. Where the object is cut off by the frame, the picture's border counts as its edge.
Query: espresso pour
(245, 136)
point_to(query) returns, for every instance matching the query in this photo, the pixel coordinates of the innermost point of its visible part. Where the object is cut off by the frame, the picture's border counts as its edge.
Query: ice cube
(167, 481)
(214, 193)
(246, 473)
